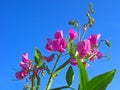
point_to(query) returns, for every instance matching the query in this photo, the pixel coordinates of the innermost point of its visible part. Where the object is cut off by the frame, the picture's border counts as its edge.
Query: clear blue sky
(25, 24)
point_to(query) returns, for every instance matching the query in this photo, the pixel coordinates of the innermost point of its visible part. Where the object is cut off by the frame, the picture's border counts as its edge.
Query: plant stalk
(51, 76)
(79, 33)
(83, 34)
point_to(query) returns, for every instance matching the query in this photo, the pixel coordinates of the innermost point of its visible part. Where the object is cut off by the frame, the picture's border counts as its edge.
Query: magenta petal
(49, 45)
(25, 58)
(83, 48)
(25, 66)
(63, 42)
(73, 34)
(94, 39)
(61, 49)
(50, 58)
(21, 74)
(59, 34)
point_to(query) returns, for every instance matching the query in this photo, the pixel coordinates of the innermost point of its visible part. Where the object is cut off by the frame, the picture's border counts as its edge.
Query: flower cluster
(58, 44)
(88, 49)
(25, 65)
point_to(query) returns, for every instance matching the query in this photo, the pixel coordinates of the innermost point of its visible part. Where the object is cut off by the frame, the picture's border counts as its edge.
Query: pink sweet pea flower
(50, 58)
(25, 66)
(94, 39)
(99, 55)
(59, 45)
(62, 46)
(61, 49)
(73, 62)
(49, 45)
(73, 34)
(83, 48)
(21, 74)
(25, 58)
(56, 44)
(63, 42)
(59, 34)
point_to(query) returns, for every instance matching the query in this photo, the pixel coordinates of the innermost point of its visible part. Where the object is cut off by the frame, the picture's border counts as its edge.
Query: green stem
(83, 34)
(51, 76)
(33, 84)
(78, 33)
(60, 68)
(100, 42)
(38, 82)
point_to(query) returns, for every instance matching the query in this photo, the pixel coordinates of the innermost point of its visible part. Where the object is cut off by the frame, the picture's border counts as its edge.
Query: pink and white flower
(49, 45)
(83, 48)
(73, 34)
(59, 34)
(58, 44)
(21, 74)
(25, 58)
(25, 66)
(94, 39)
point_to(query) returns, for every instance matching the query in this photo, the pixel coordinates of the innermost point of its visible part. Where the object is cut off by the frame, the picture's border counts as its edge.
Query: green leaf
(83, 75)
(69, 76)
(101, 82)
(107, 43)
(38, 58)
(38, 82)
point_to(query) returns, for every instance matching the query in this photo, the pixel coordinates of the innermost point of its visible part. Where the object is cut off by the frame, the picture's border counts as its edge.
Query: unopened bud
(85, 27)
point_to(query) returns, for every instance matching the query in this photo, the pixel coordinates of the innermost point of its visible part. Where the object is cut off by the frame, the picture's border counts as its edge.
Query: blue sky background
(25, 24)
